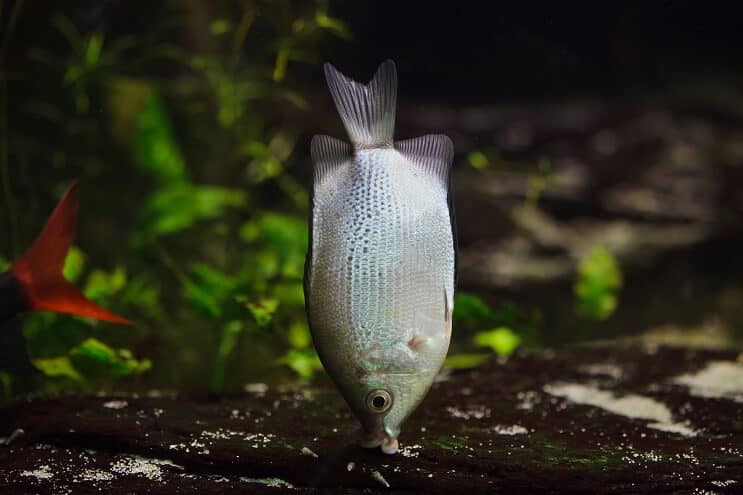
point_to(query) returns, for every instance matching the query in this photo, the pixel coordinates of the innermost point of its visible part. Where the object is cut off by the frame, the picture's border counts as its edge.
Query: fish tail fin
(39, 271)
(367, 110)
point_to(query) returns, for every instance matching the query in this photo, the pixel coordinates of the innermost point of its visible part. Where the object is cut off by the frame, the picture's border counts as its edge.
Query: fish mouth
(380, 438)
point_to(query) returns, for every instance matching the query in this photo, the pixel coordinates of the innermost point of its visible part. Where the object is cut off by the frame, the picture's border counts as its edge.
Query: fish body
(35, 282)
(379, 278)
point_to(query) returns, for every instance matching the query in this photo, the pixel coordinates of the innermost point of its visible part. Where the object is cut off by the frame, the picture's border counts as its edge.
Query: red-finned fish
(35, 281)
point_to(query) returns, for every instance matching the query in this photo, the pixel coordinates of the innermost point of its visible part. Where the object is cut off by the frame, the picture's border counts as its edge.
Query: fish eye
(379, 401)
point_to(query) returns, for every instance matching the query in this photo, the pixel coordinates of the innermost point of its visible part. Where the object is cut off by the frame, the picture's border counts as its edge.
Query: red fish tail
(39, 271)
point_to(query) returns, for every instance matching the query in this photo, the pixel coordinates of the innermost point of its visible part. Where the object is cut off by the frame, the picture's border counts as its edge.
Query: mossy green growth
(450, 442)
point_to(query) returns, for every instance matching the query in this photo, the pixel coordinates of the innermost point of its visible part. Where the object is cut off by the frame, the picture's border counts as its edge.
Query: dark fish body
(12, 300)
(380, 272)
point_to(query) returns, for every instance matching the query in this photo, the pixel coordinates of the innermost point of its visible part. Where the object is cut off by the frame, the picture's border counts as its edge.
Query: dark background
(479, 52)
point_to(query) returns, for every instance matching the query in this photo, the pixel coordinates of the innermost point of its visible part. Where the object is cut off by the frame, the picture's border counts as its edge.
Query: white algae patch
(527, 400)
(256, 388)
(40, 473)
(718, 380)
(410, 450)
(473, 412)
(116, 404)
(602, 369)
(308, 452)
(510, 430)
(258, 439)
(95, 475)
(723, 484)
(272, 482)
(631, 406)
(149, 468)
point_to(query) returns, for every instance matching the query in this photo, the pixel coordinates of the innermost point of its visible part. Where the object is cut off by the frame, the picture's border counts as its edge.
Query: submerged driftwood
(586, 420)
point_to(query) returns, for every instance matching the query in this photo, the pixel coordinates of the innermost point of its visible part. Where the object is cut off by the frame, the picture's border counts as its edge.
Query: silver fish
(379, 275)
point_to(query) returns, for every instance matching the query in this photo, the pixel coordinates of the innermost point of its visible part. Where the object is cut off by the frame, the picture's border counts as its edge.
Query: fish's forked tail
(39, 271)
(367, 110)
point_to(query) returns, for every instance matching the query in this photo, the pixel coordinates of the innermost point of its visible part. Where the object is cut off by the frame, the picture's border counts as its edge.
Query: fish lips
(381, 437)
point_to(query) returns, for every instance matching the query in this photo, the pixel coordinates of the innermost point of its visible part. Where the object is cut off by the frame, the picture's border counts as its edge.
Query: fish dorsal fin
(328, 155)
(433, 153)
(367, 110)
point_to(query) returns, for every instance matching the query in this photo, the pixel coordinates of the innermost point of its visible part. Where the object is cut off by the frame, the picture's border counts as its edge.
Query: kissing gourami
(379, 275)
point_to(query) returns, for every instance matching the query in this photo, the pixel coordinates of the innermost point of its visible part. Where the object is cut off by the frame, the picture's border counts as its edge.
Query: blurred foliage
(192, 180)
(473, 314)
(538, 182)
(502, 328)
(598, 283)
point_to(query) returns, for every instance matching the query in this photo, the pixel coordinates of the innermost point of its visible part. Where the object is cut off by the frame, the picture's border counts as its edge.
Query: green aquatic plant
(60, 346)
(501, 329)
(502, 340)
(597, 285)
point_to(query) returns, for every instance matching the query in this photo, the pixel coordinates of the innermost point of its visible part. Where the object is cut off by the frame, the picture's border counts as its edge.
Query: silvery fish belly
(379, 281)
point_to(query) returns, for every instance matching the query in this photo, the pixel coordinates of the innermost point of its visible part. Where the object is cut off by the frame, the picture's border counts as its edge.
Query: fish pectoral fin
(432, 153)
(328, 156)
(416, 342)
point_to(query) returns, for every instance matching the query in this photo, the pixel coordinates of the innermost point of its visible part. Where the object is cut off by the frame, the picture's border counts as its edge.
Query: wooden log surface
(599, 419)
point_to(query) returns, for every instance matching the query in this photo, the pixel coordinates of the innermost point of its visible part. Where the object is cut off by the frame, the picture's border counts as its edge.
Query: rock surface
(599, 419)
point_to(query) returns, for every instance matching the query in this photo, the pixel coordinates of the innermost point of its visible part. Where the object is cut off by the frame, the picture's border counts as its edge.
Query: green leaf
(202, 300)
(179, 206)
(303, 362)
(290, 294)
(101, 284)
(143, 291)
(332, 24)
(119, 361)
(74, 264)
(227, 345)
(465, 361)
(477, 159)
(472, 312)
(6, 385)
(299, 335)
(208, 288)
(155, 148)
(262, 309)
(598, 283)
(284, 235)
(220, 26)
(502, 340)
(212, 280)
(57, 366)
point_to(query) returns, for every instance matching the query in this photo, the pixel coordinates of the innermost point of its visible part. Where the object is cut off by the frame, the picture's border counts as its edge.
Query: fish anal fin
(432, 153)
